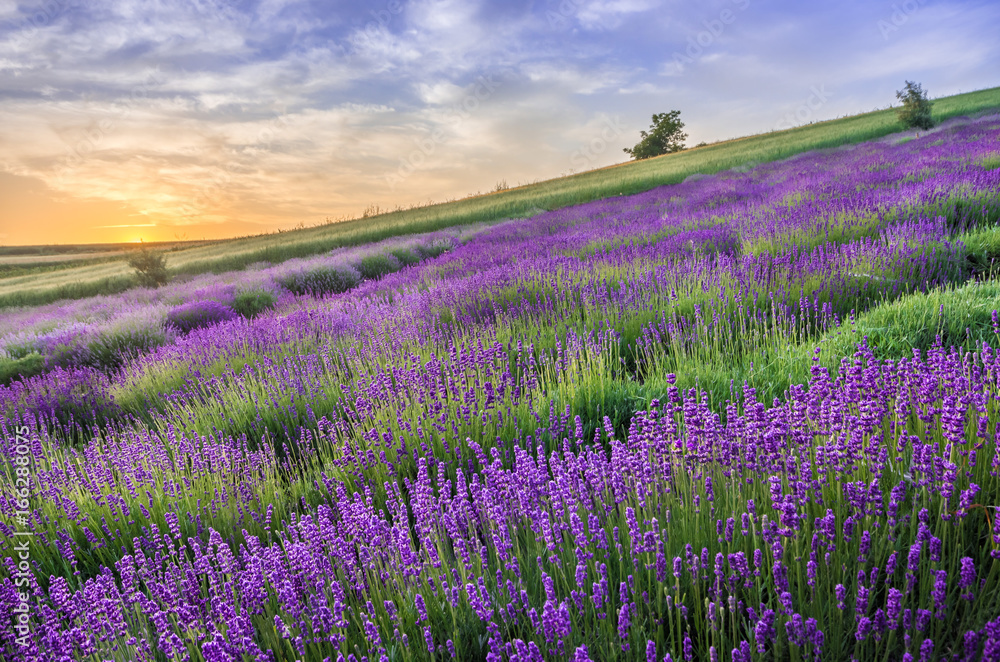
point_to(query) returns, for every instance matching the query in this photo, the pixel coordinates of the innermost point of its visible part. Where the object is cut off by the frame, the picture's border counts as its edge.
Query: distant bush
(18, 350)
(916, 110)
(198, 314)
(434, 248)
(111, 349)
(406, 256)
(150, 267)
(375, 266)
(251, 303)
(22, 367)
(319, 281)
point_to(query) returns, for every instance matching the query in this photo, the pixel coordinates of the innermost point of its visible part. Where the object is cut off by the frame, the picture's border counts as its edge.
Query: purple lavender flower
(418, 602)
(967, 579)
(624, 621)
(864, 628)
(926, 650)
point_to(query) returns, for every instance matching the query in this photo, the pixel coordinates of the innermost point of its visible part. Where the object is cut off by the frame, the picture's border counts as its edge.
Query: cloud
(611, 14)
(219, 114)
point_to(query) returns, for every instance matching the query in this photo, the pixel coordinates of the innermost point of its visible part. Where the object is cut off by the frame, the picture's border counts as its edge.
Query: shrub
(435, 248)
(198, 314)
(320, 281)
(406, 256)
(150, 267)
(22, 367)
(375, 266)
(916, 110)
(18, 350)
(110, 350)
(251, 303)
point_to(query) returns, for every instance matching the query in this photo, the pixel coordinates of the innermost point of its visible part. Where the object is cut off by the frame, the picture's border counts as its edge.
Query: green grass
(623, 179)
(991, 162)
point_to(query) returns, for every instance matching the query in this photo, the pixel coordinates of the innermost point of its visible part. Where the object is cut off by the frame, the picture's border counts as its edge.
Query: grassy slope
(621, 179)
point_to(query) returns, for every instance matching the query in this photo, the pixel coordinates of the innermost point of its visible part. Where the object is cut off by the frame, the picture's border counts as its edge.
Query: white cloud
(610, 14)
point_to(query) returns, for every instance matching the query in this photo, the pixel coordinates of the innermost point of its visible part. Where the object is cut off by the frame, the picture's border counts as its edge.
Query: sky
(166, 120)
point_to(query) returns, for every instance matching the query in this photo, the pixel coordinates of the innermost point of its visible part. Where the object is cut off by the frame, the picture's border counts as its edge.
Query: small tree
(150, 267)
(916, 110)
(664, 137)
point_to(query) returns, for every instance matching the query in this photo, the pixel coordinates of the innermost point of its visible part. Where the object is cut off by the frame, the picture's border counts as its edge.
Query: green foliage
(150, 267)
(406, 256)
(433, 249)
(24, 366)
(664, 137)
(916, 110)
(373, 267)
(982, 250)
(18, 350)
(991, 162)
(198, 315)
(111, 349)
(250, 303)
(319, 281)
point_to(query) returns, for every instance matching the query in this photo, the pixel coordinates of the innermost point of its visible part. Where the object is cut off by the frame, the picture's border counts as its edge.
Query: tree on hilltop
(150, 266)
(916, 110)
(664, 137)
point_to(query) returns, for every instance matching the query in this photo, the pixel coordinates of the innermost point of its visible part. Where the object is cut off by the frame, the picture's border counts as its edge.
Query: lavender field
(751, 416)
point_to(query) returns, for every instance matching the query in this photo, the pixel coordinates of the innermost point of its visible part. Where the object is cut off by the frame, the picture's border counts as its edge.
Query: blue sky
(208, 118)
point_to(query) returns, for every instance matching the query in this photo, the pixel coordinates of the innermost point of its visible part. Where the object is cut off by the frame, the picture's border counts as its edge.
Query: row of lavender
(364, 389)
(102, 332)
(848, 522)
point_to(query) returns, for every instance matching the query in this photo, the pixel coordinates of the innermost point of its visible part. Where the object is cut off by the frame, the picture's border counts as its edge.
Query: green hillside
(35, 287)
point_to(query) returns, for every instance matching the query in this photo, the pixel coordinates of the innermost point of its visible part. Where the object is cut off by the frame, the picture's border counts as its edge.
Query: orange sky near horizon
(34, 214)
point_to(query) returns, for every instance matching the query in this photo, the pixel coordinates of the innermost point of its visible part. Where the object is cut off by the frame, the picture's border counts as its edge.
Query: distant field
(27, 260)
(627, 178)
